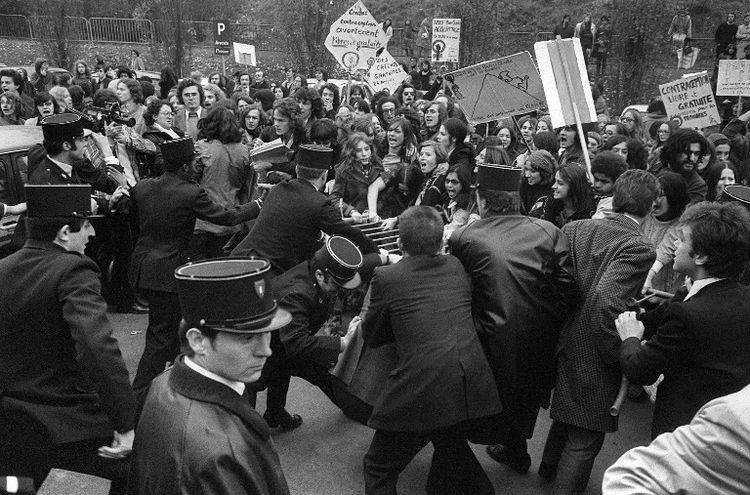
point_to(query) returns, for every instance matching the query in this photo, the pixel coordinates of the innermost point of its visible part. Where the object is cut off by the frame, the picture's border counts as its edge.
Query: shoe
(285, 420)
(547, 472)
(518, 462)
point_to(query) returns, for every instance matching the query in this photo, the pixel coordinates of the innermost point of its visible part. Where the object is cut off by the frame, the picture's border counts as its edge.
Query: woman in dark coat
(536, 185)
(159, 117)
(359, 168)
(572, 197)
(452, 136)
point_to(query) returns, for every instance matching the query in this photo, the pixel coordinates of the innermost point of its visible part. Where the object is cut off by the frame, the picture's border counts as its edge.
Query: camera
(102, 116)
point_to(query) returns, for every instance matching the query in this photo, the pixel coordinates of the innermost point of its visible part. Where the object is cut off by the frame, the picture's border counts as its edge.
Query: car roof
(19, 137)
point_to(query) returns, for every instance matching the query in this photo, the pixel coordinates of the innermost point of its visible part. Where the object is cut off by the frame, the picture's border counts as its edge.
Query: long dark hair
(219, 124)
(579, 187)
(674, 187)
(410, 139)
(168, 80)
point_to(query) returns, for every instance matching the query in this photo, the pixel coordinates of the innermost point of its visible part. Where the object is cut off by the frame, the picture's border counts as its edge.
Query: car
(15, 141)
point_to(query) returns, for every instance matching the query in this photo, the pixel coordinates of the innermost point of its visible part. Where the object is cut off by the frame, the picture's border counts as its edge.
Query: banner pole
(576, 114)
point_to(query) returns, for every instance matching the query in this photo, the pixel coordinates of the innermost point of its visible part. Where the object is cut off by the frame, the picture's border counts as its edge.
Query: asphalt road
(324, 455)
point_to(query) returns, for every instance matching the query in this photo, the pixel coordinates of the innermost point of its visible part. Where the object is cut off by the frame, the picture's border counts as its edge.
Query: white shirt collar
(238, 387)
(699, 284)
(68, 169)
(632, 218)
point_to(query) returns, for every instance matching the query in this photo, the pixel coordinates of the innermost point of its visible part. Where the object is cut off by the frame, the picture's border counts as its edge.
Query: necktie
(191, 127)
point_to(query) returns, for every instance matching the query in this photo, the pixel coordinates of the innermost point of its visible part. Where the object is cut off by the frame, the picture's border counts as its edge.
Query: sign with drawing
(446, 39)
(734, 78)
(497, 88)
(356, 39)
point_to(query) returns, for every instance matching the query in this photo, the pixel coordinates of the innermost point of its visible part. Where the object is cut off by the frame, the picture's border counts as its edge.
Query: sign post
(566, 86)
(222, 42)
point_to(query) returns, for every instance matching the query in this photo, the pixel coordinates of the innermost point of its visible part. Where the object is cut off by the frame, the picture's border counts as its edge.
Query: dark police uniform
(64, 387)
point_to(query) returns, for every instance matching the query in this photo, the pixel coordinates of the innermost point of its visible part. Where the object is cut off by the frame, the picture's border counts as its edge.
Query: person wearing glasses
(633, 122)
(159, 118)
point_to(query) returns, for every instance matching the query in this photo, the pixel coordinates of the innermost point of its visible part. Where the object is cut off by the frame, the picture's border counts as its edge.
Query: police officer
(65, 387)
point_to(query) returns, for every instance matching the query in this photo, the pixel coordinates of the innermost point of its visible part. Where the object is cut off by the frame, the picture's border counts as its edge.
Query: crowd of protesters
(198, 168)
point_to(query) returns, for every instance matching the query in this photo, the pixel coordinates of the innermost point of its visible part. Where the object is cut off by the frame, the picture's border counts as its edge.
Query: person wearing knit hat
(538, 176)
(507, 253)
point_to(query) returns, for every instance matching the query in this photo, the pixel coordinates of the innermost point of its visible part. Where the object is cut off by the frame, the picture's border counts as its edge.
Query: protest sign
(734, 78)
(497, 88)
(244, 54)
(386, 73)
(355, 38)
(566, 82)
(446, 38)
(690, 102)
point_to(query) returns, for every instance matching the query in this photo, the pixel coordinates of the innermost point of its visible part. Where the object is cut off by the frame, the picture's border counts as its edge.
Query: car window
(5, 192)
(22, 165)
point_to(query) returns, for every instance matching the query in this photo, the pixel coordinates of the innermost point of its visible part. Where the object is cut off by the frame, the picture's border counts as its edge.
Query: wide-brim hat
(315, 156)
(61, 200)
(177, 152)
(63, 126)
(341, 259)
(499, 177)
(230, 294)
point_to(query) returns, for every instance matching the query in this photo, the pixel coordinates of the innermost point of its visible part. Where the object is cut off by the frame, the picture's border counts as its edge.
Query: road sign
(222, 38)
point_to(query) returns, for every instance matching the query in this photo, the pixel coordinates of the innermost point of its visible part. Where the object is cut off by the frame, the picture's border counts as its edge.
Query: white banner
(446, 39)
(386, 73)
(244, 54)
(690, 102)
(734, 78)
(355, 38)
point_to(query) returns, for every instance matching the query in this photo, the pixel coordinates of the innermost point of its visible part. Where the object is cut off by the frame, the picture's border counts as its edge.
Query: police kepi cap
(229, 294)
(177, 153)
(738, 193)
(66, 200)
(63, 126)
(315, 156)
(341, 258)
(499, 177)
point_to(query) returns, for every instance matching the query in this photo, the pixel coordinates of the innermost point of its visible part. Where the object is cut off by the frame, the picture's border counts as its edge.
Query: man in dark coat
(565, 29)
(287, 232)
(198, 433)
(166, 208)
(611, 258)
(442, 379)
(309, 292)
(701, 343)
(523, 289)
(64, 387)
(726, 34)
(681, 153)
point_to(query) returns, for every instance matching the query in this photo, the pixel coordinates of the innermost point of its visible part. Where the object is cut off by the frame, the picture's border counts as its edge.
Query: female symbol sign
(350, 60)
(438, 47)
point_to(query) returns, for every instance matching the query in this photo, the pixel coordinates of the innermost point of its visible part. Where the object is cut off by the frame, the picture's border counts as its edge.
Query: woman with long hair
(10, 109)
(544, 124)
(631, 149)
(572, 197)
(460, 201)
(129, 140)
(661, 227)
(222, 167)
(718, 176)
(359, 168)
(571, 145)
(509, 141)
(527, 126)
(81, 73)
(433, 163)
(452, 136)
(665, 129)
(536, 185)
(167, 81)
(44, 105)
(390, 194)
(310, 106)
(633, 122)
(434, 116)
(329, 95)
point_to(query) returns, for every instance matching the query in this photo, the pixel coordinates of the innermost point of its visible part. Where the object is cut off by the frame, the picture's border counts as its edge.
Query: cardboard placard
(497, 88)
(356, 38)
(734, 78)
(386, 73)
(554, 57)
(244, 54)
(446, 39)
(690, 102)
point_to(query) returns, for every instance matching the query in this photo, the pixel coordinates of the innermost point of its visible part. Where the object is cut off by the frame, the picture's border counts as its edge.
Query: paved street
(324, 456)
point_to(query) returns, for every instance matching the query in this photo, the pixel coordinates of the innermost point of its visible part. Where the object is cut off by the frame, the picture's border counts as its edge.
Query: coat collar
(47, 246)
(626, 222)
(197, 387)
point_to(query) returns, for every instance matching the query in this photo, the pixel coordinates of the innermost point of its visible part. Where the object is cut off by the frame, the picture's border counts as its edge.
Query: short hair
(420, 230)
(309, 173)
(546, 140)
(186, 83)
(441, 154)
(312, 96)
(17, 78)
(720, 231)
(43, 97)
(102, 97)
(152, 110)
(217, 91)
(442, 111)
(209, 332)
(679, 142)
(635, 192)
(136, 92)
(336, 96)
(246, 110)
(609, 163)
(323, 131)
(456, 129)
(55, 147)
(361, 105)
(500, 202)
(46, 228)
(219, 124)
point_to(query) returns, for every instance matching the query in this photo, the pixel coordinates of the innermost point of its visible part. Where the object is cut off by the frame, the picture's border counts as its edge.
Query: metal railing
(15, 26)
(113, 29)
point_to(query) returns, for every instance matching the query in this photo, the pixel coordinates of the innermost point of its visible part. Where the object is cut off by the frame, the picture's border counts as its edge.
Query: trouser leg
(389, 453)
(455, 469)
(577, 459)
(162, 341)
